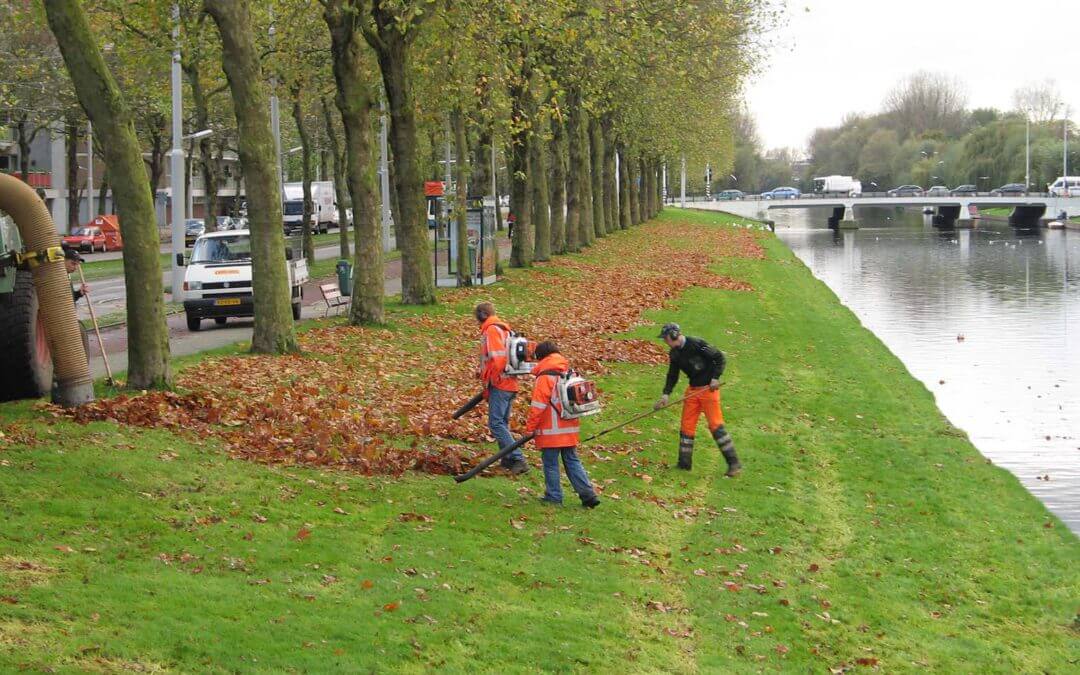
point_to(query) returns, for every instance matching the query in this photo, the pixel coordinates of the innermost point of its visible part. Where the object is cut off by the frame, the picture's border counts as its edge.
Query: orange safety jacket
(493, 334)
(552, 431)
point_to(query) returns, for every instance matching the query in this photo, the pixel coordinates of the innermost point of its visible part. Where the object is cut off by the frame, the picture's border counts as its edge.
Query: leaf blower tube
(72, 371)
(461, 478)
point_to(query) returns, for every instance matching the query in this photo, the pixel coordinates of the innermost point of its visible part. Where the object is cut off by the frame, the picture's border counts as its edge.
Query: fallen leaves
(302, 534)
(360, 398)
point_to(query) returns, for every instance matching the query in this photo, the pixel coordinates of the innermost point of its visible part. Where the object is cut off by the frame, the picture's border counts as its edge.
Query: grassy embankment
(866, 531)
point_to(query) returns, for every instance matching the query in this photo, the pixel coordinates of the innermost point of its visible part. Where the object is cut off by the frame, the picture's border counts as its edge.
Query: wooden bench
(332, 296)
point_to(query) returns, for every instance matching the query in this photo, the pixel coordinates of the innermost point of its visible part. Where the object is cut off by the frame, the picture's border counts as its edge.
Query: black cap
(671, 330)
(72, 254)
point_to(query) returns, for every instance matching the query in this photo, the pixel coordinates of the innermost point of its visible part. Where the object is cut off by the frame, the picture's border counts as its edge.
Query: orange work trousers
(700, 400)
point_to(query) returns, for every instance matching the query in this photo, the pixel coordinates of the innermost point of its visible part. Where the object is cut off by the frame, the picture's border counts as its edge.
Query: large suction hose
(72, 371)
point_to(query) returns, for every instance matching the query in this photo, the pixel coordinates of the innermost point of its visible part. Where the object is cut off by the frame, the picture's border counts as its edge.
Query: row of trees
(582, 100)
(924, 135)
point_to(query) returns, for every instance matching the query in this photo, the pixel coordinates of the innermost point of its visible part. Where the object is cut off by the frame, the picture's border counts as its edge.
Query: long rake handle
(97, 330)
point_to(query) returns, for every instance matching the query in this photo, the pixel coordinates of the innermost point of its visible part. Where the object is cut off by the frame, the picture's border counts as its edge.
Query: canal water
(988, 319)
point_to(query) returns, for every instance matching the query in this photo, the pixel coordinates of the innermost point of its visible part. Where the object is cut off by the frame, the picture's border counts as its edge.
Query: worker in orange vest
(556, 437)
(703, 365)
(499, 388)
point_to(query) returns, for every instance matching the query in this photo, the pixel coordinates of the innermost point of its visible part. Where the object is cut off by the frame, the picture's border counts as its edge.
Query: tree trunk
(586, 233)
(207, 165)
(461, 223)
(624, 188)
(522, 245)
(658, 193)
(338, 171)
(74, 194)
(305, 144)
(611, 197)
(104, 104)
(644, 189)
(355, 97)
(23, 138)
(573, 180)
(541, 209)
(274, 331)
(635, 189)
(596, 165)
(558, 187)
(103, 192)
(417, 276)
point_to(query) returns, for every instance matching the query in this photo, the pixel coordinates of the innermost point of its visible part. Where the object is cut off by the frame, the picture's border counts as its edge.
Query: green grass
(865, 527)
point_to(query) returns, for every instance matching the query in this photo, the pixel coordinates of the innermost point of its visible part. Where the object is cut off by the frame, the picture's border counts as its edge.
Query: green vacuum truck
(26, 368)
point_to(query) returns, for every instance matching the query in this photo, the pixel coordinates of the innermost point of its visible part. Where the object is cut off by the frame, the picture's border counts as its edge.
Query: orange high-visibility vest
(493, 337)
(545, 410)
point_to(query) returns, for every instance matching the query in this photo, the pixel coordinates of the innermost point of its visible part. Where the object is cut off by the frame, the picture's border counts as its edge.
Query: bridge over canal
(959, 211)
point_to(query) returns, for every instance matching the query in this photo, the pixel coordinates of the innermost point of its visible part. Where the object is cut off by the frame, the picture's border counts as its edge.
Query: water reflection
(993, 313)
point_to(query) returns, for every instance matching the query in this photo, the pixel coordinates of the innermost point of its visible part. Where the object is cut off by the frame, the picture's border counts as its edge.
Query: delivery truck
(323, 206)
(845, 186)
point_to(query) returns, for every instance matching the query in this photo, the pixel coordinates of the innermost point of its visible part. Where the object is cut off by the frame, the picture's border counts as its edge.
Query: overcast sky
(840, 56)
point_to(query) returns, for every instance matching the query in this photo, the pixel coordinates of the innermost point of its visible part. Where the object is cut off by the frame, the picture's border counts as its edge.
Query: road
(183, 342)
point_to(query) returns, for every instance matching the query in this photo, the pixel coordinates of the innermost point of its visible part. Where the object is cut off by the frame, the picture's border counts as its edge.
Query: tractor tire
(26, 368)
(194, 323)
(296, 311)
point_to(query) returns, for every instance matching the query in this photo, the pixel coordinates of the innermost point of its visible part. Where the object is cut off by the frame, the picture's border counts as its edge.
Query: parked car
(782, 193)
(1009, 190)
(906, 191)
(963, 190)
(937, 191)
(730, 195)
(193, 229)
(88, 239)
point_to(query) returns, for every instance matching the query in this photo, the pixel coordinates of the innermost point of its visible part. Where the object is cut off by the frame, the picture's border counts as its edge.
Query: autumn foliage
(379, 400)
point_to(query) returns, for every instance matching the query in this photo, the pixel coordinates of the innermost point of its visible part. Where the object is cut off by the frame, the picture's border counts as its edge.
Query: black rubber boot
(686, 452)
(727, 448)
(591, 502)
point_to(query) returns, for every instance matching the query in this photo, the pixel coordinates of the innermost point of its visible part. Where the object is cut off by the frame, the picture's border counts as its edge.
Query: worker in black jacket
(703, 365)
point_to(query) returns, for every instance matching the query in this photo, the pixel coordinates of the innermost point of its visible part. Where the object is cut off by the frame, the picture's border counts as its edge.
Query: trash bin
(344, 277)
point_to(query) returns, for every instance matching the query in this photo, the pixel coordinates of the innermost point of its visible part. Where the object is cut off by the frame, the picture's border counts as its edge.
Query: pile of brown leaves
(363, 398)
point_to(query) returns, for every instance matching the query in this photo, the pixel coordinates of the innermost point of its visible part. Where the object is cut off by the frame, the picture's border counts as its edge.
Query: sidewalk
(183, 342)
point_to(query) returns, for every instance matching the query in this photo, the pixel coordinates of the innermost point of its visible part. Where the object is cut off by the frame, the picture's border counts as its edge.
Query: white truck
(217, 281)
(838, 185)
(323, 206)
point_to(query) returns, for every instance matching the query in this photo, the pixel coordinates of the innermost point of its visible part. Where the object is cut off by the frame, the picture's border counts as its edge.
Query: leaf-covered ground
(865, 534)
(353, 395)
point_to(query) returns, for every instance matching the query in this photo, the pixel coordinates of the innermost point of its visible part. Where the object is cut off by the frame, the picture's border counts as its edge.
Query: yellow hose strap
(32, 259)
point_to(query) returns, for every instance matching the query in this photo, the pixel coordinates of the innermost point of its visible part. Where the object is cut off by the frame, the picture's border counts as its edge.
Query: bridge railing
(865, 195)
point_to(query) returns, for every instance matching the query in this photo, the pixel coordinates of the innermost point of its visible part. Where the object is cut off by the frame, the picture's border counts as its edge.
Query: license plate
(226, 302)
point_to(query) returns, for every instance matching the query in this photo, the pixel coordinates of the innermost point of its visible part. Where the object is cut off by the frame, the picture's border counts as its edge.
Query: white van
(838, 185)
(1064, 186)
(217, 282)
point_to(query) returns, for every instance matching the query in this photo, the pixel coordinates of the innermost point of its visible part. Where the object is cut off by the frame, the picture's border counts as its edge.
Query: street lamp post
(177, 160)
(90, 169)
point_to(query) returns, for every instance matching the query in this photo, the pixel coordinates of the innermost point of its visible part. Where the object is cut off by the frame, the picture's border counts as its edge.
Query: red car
(102, 234)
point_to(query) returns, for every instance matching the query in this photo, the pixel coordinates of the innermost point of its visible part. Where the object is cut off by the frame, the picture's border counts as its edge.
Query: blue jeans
(499, 403)
(579, 480)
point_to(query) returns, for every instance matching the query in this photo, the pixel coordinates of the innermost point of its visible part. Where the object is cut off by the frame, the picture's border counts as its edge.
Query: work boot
(727, 448)
(734, 467)
(518, 467)
(686, 452)
(591, 502)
